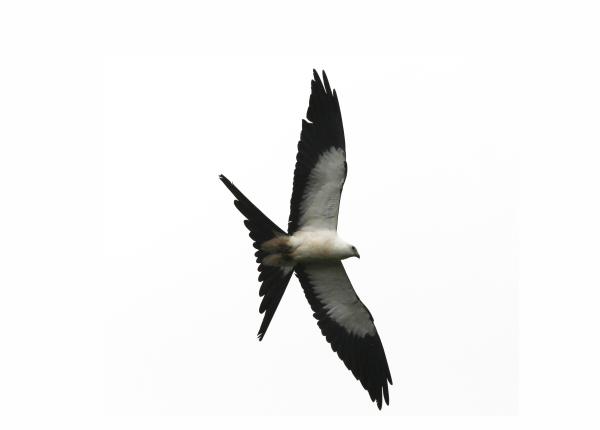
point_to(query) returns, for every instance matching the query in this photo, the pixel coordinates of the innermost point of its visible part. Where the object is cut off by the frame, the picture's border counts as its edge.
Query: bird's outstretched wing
(347, 325)
(321, 162)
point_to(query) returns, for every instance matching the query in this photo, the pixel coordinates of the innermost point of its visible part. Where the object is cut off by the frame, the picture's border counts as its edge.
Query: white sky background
(430, 202)
(128, 291)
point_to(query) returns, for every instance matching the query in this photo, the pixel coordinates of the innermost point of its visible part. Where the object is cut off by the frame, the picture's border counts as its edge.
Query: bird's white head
(345, 250)
(354, 251)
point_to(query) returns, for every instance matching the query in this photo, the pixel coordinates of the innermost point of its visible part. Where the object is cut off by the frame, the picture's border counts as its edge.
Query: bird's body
(313, 249)
(307, 246)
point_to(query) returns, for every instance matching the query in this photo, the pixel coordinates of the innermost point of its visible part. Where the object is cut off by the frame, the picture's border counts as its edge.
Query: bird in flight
(312, 248)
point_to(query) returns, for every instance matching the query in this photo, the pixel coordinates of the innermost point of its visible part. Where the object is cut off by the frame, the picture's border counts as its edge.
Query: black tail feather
(274, 279)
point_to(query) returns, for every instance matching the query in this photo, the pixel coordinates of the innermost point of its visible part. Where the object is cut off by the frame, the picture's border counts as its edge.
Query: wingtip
(323, 83)
(326, 82)
(317, 78)
(386, 394)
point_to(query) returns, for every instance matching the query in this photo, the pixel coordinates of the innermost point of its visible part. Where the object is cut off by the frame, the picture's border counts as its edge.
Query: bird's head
(354, 251)
(343, 250)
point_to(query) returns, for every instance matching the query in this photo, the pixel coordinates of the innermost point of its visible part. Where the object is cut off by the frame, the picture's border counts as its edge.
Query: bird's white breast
(317, 245)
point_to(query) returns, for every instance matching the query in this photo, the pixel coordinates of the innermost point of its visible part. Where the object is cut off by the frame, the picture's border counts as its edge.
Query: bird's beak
(357, 254)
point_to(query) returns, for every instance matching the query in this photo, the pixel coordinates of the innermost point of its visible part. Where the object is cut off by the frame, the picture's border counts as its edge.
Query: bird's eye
(353, 249)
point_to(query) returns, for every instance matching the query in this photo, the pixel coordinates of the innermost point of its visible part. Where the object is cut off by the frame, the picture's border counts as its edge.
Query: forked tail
(262, 230)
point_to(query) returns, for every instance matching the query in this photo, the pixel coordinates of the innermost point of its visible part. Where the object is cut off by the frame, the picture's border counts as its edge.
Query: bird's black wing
(321, 167)
(347, 325)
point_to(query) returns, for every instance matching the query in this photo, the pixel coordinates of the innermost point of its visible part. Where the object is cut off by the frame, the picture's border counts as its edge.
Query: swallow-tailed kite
(313, 249)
